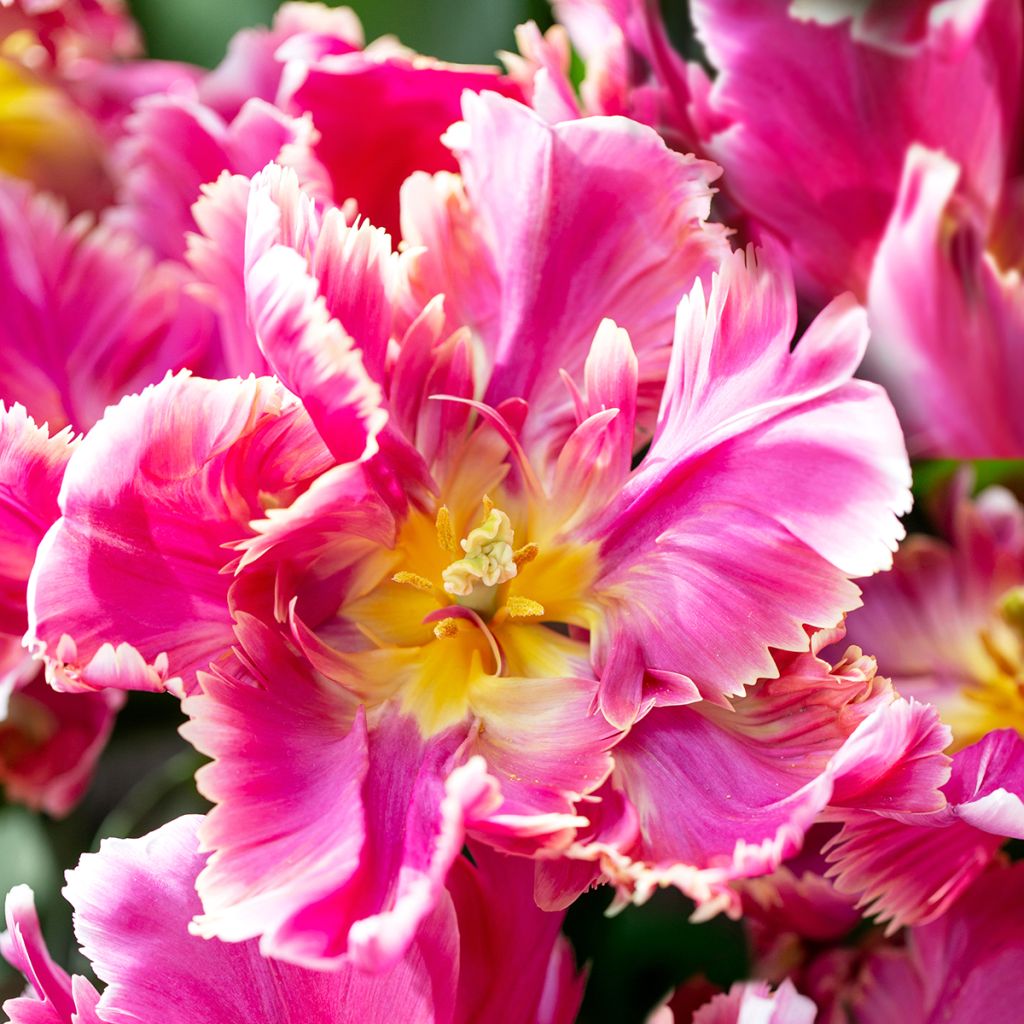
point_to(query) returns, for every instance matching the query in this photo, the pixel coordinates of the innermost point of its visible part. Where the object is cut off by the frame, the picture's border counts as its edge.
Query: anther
(523, 607)
(446, 532)
(446, 628)
(527, 553)
(413, 580)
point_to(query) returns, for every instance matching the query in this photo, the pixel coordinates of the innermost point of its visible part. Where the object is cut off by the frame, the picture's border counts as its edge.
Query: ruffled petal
(724, 794)
(886, 858)
(133, 901)
(550, 233)
(723, 507)
(368, 818)
(127, 590)
(53, 997)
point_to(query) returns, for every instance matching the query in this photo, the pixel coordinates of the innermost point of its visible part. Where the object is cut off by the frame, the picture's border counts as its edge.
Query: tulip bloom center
(460, 606)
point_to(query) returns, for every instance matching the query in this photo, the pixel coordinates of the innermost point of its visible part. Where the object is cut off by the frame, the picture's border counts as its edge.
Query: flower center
(489, 557)
(995, 697)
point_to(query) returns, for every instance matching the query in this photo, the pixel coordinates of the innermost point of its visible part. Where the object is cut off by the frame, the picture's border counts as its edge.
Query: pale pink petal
(127, 590)
(934, 295)
(802, 95)
(88, 313)
(553, 234)
(754, 1002)
(133, 901)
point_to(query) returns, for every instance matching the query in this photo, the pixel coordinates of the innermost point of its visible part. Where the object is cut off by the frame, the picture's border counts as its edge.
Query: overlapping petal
(89, 314)
(882, 857)
(820, 123)
(128, 590)
(547, 233)
(722, 504)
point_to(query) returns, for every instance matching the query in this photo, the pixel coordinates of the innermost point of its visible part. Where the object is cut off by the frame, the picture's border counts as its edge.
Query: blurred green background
(462, 30)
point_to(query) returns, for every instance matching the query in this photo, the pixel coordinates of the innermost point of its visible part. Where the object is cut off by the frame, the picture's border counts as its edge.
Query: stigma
(489, 555)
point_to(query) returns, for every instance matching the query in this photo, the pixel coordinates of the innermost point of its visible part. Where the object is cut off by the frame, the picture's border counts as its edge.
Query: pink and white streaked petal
(551, 278)
(32, 464)
(789, 748)
(935, 293)
(984, 805)
(127, 589)
(362, 856)
(901, 26)
(313, 354)
(53, 997)
(133, 901)
(88, 313)
(741, 419)
(866, 107)
(216, 255)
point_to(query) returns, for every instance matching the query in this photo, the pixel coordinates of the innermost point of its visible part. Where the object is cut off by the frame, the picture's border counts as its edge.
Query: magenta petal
(966, 966)
(369, 816)
(934, 294)
(799, 95)
(32, 466)
(53, 997)
(380, 115)
(515, 965)
(88, 312)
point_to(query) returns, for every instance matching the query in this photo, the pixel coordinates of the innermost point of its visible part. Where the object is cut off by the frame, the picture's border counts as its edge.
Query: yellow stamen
(446, 628)
(411, 579)
(523, 607)
(446, 532)
(488, 506)
(527, 553)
